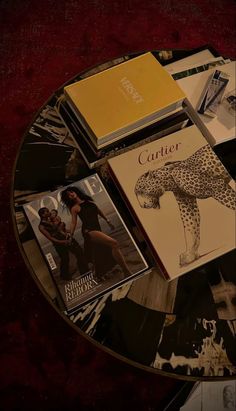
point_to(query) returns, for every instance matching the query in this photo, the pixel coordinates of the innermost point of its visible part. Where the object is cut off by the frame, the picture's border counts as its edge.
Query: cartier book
(182, 197)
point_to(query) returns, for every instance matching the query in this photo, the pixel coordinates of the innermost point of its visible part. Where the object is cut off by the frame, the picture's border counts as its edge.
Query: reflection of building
(48, 158)
(41, 165)
(194, 348)
(223, 287)
(194, 296)
(192, 340)
(224, 294)
(130, 329)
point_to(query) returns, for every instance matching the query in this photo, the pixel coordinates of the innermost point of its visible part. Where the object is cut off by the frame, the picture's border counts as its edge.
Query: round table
(179, 329)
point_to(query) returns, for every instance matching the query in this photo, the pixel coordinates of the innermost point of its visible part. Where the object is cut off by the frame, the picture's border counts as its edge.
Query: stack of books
(155, 128)
(116, 102)
(121, 106)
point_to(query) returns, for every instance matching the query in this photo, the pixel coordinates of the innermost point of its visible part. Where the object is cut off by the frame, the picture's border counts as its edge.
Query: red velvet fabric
(44, 363)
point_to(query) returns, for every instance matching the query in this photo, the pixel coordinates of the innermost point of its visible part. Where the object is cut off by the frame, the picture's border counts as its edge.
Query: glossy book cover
(86, 244)
(124, 98)
(183, 199)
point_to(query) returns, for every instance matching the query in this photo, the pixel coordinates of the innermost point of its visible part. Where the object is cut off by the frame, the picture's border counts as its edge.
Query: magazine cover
(85, 242)
(183, 199)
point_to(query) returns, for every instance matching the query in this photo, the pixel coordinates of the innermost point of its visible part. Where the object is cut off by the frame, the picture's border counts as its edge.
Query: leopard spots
(200, 176)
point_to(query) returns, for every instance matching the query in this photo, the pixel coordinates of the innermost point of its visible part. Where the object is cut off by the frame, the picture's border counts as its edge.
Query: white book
(196, 59)
(199, 67)
(222, 126)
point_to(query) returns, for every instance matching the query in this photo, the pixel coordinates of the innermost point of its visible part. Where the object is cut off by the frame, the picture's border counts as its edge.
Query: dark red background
(44, 363)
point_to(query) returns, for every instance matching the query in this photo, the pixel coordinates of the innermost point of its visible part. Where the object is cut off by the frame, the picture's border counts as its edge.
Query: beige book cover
(223, 126)
(183, 199)
(123, 98)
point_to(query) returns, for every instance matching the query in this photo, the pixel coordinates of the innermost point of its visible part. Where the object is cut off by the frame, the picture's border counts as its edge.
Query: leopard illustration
(200, 176)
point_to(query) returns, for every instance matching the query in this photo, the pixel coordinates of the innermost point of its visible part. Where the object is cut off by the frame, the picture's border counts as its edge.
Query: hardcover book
(84, 240)
(95, 158)
(222, 125)
(182, 197)
(124, 98)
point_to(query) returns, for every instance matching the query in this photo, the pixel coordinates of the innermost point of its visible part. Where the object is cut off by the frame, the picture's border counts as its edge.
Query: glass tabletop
(184, 328)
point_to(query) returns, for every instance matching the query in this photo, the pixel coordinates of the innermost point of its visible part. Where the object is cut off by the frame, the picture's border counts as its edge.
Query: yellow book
(125, 98)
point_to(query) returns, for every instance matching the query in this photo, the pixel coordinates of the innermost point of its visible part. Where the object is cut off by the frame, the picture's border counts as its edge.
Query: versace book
(183, 199)
(85, 242)
(125, 98)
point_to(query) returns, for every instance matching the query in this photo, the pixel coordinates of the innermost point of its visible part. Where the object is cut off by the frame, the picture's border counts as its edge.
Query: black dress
(89, 216)
(99, 254)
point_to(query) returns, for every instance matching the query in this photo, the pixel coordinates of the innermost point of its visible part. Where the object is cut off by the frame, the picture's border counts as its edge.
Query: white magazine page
(196, 59)
(218, 396)
(212, 396)
(197, 68)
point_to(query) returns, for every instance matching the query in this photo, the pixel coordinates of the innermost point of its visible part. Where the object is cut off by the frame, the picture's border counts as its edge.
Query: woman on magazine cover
(101, 249)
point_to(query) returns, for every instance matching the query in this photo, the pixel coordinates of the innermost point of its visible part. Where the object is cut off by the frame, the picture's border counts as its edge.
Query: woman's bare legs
(102, 238)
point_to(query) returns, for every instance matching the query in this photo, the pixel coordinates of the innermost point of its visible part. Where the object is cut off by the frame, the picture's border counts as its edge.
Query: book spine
(163, 127)
(198, 122)
(75, 133)
(81, 120)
